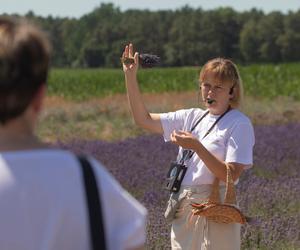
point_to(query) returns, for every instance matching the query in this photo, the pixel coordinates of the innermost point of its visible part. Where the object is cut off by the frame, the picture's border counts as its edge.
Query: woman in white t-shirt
(223, 137)
(43, 204)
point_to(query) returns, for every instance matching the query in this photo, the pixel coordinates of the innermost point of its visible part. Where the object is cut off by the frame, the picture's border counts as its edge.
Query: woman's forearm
(216, 166)
(141, 116)
(136, 103)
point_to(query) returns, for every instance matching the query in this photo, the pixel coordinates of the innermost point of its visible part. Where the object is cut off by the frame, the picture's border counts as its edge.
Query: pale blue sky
(76, 8)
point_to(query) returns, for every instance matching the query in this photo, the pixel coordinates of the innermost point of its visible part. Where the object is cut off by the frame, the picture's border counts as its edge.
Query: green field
(264, 80)
(91, 104)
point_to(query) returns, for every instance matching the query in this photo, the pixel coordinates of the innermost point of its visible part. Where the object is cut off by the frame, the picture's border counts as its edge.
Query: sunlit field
(87, 112)
(267, 81)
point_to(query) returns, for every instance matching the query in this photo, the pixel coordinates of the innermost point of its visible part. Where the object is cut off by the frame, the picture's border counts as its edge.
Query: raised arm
(142, 117)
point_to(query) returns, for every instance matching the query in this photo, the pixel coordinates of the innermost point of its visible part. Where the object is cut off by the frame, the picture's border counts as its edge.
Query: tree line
(182, 37)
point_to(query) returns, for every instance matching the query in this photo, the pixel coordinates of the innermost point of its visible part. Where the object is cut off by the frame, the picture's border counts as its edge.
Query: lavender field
(269, 192)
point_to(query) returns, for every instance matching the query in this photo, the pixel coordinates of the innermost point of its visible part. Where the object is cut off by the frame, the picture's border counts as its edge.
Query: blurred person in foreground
(42, 199)
(222, 136)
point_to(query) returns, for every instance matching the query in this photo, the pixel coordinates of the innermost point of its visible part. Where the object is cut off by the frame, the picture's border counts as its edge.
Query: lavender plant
(269, 192)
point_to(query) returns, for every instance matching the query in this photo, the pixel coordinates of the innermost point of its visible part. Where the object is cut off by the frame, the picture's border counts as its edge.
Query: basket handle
(230, 196)
(214, 196)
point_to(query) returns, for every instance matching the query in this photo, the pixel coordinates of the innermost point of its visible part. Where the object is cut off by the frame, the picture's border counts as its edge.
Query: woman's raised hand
(130, 69)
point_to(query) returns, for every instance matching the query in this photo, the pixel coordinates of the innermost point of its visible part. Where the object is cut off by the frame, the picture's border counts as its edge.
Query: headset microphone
(209, 101)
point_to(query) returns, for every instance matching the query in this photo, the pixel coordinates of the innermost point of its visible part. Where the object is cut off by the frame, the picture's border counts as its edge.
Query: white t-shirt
(43, 204)
(231, 140)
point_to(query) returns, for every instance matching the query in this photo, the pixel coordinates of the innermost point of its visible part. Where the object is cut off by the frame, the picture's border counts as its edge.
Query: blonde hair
(224, 70)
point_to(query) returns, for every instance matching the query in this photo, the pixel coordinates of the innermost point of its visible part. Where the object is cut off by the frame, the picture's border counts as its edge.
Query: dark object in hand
(145, 60)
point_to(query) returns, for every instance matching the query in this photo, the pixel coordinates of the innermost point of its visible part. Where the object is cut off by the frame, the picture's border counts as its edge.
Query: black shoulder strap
(187, 154)
(94, 206)
(200, 119)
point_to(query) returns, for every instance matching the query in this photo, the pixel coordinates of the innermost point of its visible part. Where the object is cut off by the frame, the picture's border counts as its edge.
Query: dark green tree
(186, 36)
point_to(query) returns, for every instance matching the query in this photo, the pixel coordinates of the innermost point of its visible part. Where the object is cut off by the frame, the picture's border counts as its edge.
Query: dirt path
(109, 118)
(281, 110)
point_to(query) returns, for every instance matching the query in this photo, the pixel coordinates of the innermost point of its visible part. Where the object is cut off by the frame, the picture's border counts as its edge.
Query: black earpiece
(231, 89)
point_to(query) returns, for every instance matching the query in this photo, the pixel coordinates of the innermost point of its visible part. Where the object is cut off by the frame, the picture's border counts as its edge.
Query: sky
(77, 8)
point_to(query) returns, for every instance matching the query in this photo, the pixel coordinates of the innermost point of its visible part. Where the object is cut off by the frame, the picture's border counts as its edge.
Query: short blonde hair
(224, 70)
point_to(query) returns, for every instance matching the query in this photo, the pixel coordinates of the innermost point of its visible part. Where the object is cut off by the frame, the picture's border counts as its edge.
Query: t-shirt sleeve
(125, 217)
(240, 145)
(172, 121)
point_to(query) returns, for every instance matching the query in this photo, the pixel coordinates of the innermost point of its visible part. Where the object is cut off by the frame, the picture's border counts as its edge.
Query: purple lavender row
(271, 189)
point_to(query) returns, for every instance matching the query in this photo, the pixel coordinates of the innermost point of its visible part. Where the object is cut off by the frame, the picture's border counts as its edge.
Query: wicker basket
(216, 211)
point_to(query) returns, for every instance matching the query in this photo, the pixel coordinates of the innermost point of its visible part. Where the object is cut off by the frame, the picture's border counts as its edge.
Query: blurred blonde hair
(224, 70)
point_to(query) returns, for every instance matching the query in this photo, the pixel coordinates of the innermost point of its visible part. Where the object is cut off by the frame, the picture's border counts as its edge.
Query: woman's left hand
(185, 140)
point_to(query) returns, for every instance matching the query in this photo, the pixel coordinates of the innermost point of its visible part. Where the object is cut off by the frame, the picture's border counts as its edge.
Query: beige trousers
(190, 232)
